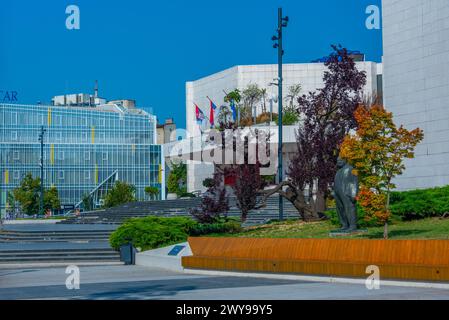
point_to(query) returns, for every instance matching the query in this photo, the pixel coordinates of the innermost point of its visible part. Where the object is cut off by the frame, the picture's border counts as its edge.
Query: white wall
(416, 83)
(309, 75)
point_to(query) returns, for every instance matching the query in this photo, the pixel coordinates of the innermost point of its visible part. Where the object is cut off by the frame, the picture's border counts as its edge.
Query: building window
(41, 120)
(61, 174)
(16, 155)
(86, 155)
(14, 135)
(14, 118)
(84, 121)
(58, 120)
(16, 175)
(105, 156)
(87, 175)
(58, 136)
(61, 155)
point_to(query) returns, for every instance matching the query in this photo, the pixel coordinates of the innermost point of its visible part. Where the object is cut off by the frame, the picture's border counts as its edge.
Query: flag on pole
(234, 110)
(199, 114)
(211, 114)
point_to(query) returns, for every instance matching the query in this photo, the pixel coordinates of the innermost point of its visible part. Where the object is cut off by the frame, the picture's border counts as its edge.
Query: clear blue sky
(146, 50)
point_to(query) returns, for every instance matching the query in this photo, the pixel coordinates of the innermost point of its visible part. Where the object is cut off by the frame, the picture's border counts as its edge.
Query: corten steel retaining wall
(397, 259)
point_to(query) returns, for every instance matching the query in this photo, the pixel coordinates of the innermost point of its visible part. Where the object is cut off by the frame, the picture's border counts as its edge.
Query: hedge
(155, 232)
(409, 205)
(419, 204)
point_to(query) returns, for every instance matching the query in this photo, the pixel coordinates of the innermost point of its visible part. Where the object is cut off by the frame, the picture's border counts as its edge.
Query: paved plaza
(134, 282)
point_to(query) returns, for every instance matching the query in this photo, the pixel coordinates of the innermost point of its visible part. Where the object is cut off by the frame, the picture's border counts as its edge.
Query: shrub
(187, 195)
(419, 204)
(177, 178)
(155, 232)
(152, 232)
(362, 221)
(120, 193)
(152, 191)
(223, 226)
(289, 117)
(409, 205)
(266, 117)
(208, 182)
(214, 202)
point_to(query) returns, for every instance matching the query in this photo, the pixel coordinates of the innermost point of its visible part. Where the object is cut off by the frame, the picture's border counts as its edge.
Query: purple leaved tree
(327, 115)
(214, 203)
(248, 185)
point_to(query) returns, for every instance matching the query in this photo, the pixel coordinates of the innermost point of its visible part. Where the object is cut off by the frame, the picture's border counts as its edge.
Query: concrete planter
(172, 196)
(415, 260)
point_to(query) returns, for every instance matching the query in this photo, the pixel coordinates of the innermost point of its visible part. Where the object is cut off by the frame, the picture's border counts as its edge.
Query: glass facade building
(85, 149)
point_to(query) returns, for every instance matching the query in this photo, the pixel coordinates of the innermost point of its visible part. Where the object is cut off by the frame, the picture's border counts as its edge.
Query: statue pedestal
(338, 233)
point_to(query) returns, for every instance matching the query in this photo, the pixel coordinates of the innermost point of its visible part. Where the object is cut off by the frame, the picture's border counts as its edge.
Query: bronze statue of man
(346, 187)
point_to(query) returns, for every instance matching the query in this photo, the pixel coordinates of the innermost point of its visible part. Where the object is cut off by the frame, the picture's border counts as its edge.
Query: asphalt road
(134, 282)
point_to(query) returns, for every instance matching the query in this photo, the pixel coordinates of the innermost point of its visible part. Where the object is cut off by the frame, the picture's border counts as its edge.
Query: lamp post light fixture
(282, 23)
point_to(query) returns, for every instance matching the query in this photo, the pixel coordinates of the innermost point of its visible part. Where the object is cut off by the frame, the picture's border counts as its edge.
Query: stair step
(62, 259)
(85, 254)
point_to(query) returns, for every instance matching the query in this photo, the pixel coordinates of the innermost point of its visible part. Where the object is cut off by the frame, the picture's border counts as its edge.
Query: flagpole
(212, 111)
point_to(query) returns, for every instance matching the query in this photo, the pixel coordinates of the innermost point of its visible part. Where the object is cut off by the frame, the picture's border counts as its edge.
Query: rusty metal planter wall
(397, 259)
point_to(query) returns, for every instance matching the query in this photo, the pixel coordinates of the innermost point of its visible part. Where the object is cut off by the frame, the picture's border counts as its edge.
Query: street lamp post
(282, 23)
(1, 190)
(41, 164)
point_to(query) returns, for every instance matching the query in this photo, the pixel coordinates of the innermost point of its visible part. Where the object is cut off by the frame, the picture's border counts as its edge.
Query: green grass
(431, 228)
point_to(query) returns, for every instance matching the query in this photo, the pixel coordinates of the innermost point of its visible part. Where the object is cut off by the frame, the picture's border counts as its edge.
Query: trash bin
(128, 254)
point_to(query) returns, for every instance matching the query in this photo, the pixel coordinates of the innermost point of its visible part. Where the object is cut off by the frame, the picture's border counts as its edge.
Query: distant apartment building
(416, 83)
(87, 147)
(213, 87)
(166, 131)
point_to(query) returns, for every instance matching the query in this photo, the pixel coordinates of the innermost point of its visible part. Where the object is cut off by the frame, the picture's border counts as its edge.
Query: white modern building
(308, 75)
(416, 83)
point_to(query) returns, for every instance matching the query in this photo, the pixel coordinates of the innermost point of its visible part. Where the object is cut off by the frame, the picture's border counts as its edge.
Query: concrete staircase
(177, 208)
(56, 236)
(31, 244)
(59, 255)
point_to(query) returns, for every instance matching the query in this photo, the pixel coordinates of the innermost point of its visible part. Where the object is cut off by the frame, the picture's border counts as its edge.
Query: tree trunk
(320, 202)
(244, 216)
(387, 207)
(296, 197)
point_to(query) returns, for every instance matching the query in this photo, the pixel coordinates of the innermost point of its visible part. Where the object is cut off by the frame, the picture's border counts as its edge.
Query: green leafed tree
(177, 179)
(120, 193)
(234, 95)
(263, 92)
(10, 202)
(152, 192)
(88, 202)
(51, 199)
(293, 95)
(251, 97)
(27, 194)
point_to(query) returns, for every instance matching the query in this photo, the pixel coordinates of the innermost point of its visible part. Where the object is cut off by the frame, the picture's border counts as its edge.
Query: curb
(4, 266)
(430, 285)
